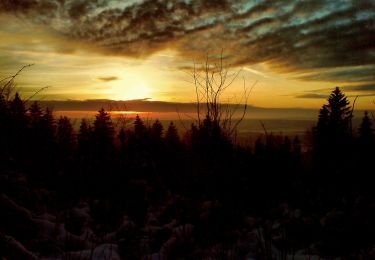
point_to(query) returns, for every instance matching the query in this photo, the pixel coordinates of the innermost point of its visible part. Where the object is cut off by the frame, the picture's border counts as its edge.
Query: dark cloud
(140, 105)
(179, 109)
(107, 79)
(325, 96)
(312, 95)
(348, 74)
(362, 90)
(288, 35)
(362, 87)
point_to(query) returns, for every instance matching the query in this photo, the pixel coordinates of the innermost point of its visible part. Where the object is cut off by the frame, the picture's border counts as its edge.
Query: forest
(151, 192)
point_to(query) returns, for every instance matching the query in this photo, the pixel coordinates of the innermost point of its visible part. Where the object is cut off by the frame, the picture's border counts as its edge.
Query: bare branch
(36, 93)
(11, 79)
(264, 128)
(351, 115)
(210, 83)
(182, 123)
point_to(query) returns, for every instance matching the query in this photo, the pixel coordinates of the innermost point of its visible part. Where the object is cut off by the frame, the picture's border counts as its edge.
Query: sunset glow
(82, 57)
(187, 129)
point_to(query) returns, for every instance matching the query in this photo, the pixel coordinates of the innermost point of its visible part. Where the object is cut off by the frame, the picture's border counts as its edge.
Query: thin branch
(11, 78)
(36, 93)
(351, 115)
(182, 123)
(264, 128)
(246, 96)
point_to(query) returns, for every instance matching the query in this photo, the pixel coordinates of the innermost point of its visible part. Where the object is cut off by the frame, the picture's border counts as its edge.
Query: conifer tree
(84, 136)
(139, 127)
(332, 135)
(48, 126)
(156, 133)
(259, 147)
(65, 135)
(366, 132)
(157, 130)
(4, 125)
(334, 118)
(18, 112)
(339, 112)
(36, 115)
(171, 136)
(323, 119)
(18, 134)
(103, 128)
(122, 136)
(297, 146)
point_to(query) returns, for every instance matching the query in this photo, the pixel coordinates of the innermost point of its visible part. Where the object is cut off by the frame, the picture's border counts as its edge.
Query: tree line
(136, 168)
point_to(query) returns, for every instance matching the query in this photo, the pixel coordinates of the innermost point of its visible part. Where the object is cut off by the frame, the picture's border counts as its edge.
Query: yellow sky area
(74, 71)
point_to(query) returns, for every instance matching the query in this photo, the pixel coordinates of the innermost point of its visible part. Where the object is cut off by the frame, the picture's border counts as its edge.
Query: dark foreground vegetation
(144, 192)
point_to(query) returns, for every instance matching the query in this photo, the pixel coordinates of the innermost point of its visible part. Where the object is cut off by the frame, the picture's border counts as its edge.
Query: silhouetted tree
(321, 129)
(139, 127)
(211, 81)
(36, 115)
(286, 146)
(48, 125)
(103, 131)
(18, 113)
(18, 126)
(366, 132)
(65, 136)
(259, 147)
(366, 141)
(339, 112)
(171, 135)
(4, 127)
(37, 129)
(122, 137)
(156, 140)
(297, 146)
(332, 135)
(156, 130)
(84, 137)
(47, 133)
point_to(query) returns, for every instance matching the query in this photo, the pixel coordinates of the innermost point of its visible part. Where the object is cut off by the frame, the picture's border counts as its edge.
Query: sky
(295, 52)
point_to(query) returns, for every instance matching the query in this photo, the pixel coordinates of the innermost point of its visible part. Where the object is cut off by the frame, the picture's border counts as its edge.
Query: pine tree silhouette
(156, 138)
(139, 127)
(297, 146)
(332, 135)
(259, 147)
(48, 127)
(36, 115)
(37, 129)
(65, 135)
(18, 112)
(18, 134)
(156, 130)
(366, 139)
(323, 118)
(4, 127)
(84, 137)
(103, 132)
(366, 132)
(339, 112)
(171, 135)
(122, 137)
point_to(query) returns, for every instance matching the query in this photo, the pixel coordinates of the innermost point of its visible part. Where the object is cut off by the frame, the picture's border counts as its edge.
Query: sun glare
(135, 91)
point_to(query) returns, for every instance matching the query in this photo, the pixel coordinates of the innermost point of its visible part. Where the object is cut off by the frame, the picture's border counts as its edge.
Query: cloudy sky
(296, 51)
